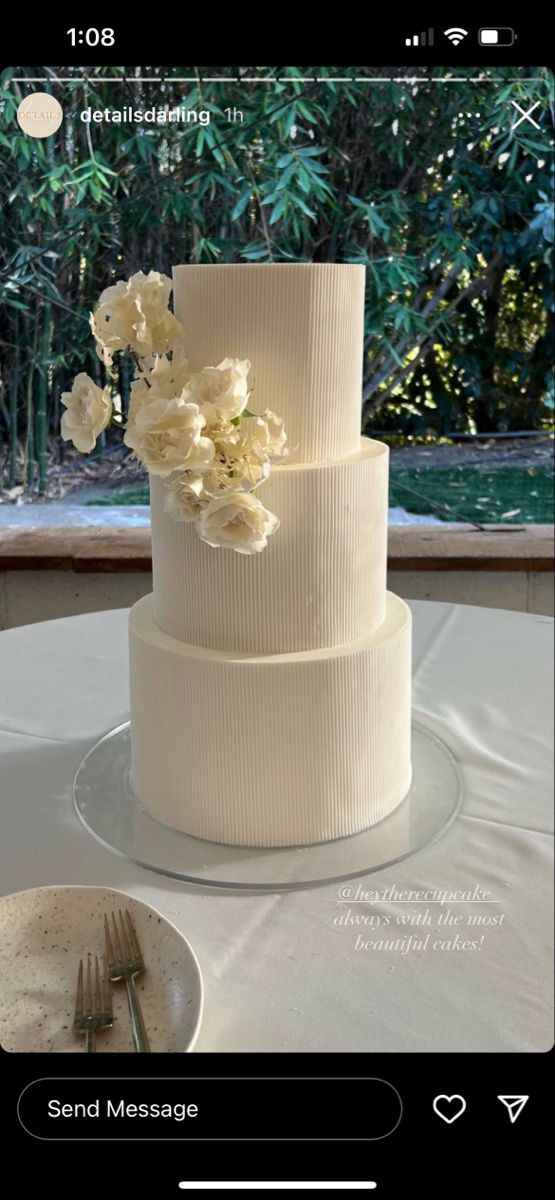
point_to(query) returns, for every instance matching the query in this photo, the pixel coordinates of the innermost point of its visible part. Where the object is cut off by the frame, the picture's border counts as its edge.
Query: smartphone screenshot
(276, 609)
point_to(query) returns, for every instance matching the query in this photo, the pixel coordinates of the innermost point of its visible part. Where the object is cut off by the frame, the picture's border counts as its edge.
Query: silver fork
(93, 1003)
(125, 961)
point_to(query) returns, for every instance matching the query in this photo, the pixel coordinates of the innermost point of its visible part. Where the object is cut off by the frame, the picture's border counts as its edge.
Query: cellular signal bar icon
(421, 39)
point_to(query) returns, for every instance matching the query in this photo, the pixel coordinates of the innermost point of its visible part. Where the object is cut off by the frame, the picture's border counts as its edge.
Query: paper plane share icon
(514, 1105)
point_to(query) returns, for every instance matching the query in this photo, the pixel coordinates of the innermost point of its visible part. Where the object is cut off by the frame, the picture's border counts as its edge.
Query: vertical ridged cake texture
(301, 327)
(271, 695)
(274, 750)
(320, 581)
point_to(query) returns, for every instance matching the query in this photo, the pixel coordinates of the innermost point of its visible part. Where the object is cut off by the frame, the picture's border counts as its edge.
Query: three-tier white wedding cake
(271, 694)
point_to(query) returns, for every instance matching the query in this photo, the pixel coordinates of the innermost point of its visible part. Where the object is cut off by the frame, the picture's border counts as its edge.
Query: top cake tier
(301, 326)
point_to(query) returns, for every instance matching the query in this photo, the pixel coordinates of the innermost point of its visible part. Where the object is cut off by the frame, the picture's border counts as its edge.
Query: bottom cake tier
(280, 750)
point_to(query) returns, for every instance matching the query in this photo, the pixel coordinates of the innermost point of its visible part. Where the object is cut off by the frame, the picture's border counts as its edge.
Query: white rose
(249, 472)
(222, 391)
(167, 378)
(134, 315)
(276, 443)
(141, 393)
(237, 522)
(245, 462)
(248, 436)
(183, 498)
(88, 413)
(262, 436)
(157, 380)
(241, 476)
(166, 436)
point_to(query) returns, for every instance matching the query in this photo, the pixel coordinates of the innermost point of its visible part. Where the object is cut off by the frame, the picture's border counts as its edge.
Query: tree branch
(388, 365)
(424, 343)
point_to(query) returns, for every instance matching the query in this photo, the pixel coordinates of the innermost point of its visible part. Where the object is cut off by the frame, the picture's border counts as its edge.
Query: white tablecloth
(282, 971)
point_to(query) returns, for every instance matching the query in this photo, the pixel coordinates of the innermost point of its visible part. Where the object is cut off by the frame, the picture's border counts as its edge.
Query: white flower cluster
(193, 429)
(135, 316)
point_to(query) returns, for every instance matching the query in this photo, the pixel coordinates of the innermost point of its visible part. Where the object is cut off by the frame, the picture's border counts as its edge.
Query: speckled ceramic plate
(43, 934)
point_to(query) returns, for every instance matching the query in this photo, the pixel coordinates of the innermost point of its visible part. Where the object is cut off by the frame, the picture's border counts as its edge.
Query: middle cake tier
(320, 582)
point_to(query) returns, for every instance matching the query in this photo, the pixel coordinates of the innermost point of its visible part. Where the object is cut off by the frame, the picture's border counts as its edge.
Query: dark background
(480, 1151)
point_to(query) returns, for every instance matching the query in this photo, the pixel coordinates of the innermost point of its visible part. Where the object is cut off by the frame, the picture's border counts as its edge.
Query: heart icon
(449, 1108)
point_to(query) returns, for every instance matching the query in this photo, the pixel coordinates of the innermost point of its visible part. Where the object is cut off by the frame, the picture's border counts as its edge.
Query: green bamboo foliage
(30, 462)
(15, 384)
(448, 210)
(42, 403)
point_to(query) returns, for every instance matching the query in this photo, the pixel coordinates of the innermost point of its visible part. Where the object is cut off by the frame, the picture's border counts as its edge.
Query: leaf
(316, 168)
(304, 207)
(309, 151)
(306, 112)
(290, 119)
(287, 175)
(279, 210)
(255, 250)
(304, 181)
(241, 204)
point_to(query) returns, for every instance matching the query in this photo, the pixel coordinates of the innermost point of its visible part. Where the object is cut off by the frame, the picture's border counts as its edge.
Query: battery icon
(502, 36)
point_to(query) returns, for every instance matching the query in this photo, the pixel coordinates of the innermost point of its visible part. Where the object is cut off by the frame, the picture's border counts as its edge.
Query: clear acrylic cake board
(107, 807)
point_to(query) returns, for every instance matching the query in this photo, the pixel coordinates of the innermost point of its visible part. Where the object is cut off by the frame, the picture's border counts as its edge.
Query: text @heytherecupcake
(399, 922)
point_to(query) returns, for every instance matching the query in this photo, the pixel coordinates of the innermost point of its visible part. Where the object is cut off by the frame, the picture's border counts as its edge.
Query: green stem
(14, 395)
(29, 471)
(42, 407)
(125, 375)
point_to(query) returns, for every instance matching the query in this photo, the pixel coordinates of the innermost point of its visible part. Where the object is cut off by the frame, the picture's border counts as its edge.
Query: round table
(447, 951)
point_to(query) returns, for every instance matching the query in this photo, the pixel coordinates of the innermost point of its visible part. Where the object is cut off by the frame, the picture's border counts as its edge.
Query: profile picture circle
(39, 115)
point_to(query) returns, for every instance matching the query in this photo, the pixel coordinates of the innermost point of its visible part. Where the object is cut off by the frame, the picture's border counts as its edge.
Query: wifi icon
(456, 35)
